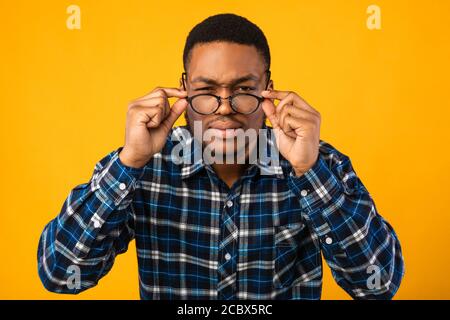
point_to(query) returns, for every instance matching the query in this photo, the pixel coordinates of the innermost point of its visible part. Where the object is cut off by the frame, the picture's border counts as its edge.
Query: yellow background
(383, 95)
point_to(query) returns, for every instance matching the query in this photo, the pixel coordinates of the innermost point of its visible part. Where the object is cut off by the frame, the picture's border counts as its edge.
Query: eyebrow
(233, 82)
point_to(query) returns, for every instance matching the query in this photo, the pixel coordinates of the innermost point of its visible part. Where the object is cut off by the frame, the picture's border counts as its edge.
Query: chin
(227, 149)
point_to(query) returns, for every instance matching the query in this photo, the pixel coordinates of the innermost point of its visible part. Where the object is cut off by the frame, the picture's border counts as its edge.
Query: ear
(271, 87)
(181, 84)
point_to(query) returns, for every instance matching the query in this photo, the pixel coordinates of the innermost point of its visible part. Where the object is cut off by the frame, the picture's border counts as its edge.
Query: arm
(96, 222)
(360, 247)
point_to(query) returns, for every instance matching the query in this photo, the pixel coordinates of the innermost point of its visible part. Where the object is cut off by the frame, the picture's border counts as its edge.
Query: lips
(224, 129)
(222, 125)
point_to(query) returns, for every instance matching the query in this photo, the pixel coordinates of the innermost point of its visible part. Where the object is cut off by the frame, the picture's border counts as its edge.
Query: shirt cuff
(316, 187)
(117, 180)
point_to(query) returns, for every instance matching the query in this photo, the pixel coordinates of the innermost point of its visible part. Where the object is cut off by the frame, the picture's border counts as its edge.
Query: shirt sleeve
(360, 247)
(96, 223)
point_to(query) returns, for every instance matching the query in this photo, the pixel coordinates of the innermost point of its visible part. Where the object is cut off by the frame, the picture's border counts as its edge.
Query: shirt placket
(228, 249)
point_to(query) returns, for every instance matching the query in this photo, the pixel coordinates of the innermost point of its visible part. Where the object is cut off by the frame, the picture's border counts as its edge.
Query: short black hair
(227, 27)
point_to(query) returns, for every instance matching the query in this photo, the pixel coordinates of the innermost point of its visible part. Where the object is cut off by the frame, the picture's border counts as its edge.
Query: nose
(225, 107)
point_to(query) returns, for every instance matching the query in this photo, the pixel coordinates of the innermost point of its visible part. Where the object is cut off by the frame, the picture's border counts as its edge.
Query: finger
(169, 92)
(291, 124)
(300, 113)
(275, 94)
(298, 116)
(280, 95)
(303, 104)
(148, 116)
(283, 114)
(289, 99)
(148, 102)
(285, 126)
(270, 111)
(175, 112)
(152, 102)
(163, 92)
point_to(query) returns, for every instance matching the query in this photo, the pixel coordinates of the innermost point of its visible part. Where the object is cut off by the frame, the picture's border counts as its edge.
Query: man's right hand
(149, 120)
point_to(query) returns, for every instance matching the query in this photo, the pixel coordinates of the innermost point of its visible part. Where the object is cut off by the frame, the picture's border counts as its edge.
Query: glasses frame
(230, 98)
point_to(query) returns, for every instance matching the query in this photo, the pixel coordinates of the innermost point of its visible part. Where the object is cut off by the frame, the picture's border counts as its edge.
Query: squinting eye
(247, 88)
(202, 89)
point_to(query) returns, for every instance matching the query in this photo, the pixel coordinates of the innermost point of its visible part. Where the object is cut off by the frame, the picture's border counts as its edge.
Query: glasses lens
(245, 103)
(204, 104)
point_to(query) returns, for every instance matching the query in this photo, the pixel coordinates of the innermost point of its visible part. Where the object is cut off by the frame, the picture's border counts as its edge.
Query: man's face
(216, 68)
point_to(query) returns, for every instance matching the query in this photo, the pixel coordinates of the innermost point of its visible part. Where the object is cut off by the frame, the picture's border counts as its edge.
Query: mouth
(224, 129)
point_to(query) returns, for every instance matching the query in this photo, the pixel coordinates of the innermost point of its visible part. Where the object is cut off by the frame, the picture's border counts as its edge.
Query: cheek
(192, 118)
(255, 120)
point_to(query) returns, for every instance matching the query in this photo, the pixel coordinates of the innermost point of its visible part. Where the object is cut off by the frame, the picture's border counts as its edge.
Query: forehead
(225, 61)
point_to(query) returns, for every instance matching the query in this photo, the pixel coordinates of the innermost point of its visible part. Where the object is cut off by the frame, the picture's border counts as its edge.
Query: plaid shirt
(196, 238)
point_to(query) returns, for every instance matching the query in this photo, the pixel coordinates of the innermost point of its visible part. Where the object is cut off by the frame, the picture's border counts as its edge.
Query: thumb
(175, 112)
(270, 111)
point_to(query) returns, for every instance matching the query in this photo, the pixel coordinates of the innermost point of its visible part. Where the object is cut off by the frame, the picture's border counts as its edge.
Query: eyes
(241, 88)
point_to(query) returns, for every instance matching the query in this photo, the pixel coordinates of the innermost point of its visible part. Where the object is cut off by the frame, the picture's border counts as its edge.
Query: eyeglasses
(207, 103)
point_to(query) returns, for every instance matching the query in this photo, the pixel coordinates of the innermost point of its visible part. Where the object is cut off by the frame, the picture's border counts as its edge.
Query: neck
(229, 173)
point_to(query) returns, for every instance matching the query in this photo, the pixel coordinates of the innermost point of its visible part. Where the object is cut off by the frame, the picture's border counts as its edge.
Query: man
(208, 229)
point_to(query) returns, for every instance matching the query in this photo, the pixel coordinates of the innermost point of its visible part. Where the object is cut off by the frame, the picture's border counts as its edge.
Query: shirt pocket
(285, 254)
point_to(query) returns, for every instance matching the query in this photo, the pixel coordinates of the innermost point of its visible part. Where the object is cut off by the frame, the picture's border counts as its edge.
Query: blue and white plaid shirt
(196, 238)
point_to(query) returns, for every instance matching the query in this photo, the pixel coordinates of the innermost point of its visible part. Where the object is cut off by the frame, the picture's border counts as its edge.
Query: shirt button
(122, 186)
(96, 224)
(229, 203)
(227, 256)
(304, 193)
(328, 240)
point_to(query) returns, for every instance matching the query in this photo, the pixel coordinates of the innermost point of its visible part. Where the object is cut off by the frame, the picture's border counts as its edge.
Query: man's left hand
(296, 126)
